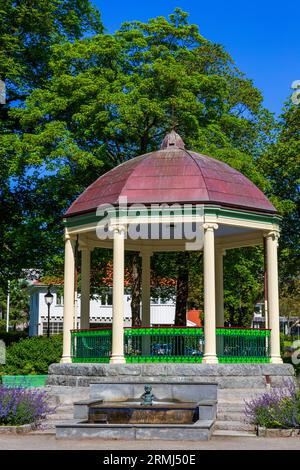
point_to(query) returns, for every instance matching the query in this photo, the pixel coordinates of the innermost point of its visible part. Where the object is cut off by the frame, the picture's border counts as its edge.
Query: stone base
(265, 432)
(23, 428)
(226, 376)
(199, 431)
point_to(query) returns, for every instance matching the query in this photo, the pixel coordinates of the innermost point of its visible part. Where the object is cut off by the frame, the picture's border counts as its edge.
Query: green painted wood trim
(174, 360)
(92, 360)
(242, 215)
(84, 333)
(242, 332)
(90, 218)
(243, 360)
(163, 331)
(141, 331)
(165, 359)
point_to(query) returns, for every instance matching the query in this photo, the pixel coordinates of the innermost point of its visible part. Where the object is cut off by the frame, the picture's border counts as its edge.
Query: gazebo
(163, 191)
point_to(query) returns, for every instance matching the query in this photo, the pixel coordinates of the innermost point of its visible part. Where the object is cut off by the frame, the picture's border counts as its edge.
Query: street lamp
(48, 299)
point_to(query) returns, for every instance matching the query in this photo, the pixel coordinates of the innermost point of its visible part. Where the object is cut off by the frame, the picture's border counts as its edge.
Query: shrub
(282, 338)
(10, 337)
(32, 355)
(277, 408)
(288, 360)
(22, 406)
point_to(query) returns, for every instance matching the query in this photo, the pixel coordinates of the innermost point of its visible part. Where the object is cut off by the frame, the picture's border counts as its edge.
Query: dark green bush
(288, 360)
(12, 336)
(32, 355)
(282, 338)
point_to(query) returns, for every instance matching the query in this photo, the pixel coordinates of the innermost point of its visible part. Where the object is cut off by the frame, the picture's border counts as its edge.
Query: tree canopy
(81, 101)
(29, 29)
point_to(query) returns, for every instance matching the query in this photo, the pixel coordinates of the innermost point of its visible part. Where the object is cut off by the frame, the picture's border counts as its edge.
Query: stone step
(233, 426)
(65, 406)
(231, 407)
(236, 399)
(242, 392)
(64, 409)
(231, 416)
(60, 417)
(231, 433)
(66, 395)
(45, 431)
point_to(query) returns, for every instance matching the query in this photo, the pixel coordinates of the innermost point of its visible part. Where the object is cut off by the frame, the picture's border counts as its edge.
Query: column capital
(210, 226)
(84, 246)
(117, 228)
(69, 236)
(147, 253)
(274, 234)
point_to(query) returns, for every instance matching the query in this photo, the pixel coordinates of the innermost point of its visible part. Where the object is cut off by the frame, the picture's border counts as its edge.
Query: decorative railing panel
(172, 344)
(91, 345)
(243, 345)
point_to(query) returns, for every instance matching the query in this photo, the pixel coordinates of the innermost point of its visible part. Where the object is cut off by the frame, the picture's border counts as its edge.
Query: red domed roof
(169, 175)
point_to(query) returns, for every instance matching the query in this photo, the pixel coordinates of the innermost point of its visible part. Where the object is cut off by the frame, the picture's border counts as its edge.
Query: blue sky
(261, 36)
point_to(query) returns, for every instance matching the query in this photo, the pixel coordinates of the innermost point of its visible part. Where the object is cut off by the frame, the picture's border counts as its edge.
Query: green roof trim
(91, 218)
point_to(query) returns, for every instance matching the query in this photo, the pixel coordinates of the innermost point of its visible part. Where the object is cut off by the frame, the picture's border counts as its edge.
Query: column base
(117, 360)
(66, 360)
(210, 359)
(276, 360)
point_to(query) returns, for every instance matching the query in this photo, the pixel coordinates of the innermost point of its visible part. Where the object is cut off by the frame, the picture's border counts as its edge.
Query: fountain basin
(197, 399)
(132, 412)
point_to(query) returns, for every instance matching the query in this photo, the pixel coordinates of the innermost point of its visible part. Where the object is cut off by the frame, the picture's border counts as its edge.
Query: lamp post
(48, 299)
(7, 306)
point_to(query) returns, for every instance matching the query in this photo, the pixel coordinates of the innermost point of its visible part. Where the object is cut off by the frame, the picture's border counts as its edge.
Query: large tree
(29, 29)
(109, 98)
(281, 165)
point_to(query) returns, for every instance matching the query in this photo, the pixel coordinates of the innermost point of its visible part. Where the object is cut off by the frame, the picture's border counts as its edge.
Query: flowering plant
(22, 406)
(277, 408)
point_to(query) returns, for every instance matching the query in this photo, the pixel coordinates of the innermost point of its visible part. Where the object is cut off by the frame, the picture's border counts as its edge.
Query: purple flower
(276, 408)
(22, 406)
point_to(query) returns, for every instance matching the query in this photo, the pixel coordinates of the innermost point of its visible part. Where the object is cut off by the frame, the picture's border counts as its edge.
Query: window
(56, 328)
(59, 299)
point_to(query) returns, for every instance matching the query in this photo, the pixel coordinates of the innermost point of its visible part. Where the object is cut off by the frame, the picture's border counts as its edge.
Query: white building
(162, 313)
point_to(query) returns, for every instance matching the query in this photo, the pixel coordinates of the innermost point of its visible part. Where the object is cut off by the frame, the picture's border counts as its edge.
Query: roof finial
(172, 139)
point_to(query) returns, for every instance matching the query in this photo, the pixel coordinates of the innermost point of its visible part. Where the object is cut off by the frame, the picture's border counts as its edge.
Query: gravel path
(45, 442)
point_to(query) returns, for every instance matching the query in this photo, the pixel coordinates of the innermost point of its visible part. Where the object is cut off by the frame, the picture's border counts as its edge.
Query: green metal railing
(172, 344)
(243, 345)
(91, 345)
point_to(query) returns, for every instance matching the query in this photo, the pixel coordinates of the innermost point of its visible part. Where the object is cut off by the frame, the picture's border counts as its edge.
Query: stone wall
(226, 376)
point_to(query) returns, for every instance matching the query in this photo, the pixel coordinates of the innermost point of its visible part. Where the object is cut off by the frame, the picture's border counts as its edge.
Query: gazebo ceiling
(173, 175)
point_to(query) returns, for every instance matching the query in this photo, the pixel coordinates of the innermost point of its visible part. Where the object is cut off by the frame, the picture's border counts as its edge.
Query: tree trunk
(136, 291)
(182, 289)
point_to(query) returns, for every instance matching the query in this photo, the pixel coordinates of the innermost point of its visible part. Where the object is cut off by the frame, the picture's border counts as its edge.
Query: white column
(146, 279)
(117, 354)
(85, 286)
(219, 287)
(69, 285)
(210, 355)
(273, 300)
(265, 285)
